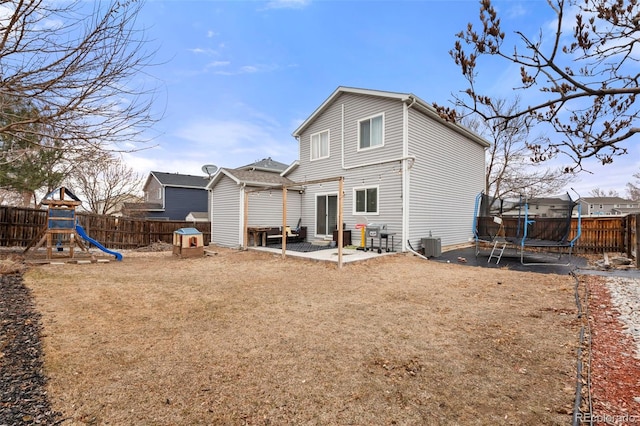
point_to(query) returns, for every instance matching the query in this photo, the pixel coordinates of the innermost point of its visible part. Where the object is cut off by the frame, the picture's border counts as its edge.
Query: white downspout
(405, 176)
(342, 136)
(241, 224)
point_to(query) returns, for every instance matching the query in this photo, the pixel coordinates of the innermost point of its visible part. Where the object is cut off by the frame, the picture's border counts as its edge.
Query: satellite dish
(209, 169)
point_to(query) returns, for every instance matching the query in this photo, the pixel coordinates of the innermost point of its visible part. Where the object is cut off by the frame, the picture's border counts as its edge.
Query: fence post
(10, 213)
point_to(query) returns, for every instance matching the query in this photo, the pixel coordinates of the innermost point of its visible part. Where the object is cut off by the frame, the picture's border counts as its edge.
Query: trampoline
(543, 224)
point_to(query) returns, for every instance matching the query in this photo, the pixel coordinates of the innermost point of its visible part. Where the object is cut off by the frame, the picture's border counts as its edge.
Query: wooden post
(245, 225)
(49, 246)
(340, 219)
(284, 221)
(72, 243)
(628, 234)
(10, 213)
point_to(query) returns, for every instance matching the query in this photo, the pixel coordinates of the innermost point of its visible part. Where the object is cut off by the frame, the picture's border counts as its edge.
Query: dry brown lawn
(250, 338)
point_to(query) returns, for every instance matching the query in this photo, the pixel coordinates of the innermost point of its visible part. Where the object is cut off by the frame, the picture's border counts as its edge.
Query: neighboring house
(553, 207)
(170, 196)
(403, 166)
(265, 165)
(197, 217)
(608, 206)
(118, 206)
(264, 207)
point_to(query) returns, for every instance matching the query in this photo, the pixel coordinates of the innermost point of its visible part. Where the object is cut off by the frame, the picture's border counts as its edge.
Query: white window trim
(383, 131)
(360, 188)
(328, 132)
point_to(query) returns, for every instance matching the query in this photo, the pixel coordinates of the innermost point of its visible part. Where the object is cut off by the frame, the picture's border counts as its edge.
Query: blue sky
(237, 77)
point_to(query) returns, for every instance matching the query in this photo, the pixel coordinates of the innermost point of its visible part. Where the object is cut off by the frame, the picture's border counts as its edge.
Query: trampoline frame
(521, 239)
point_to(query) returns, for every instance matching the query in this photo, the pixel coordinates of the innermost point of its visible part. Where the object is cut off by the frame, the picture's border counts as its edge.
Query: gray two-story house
(171, 196)
(608, 206)
(402, 165)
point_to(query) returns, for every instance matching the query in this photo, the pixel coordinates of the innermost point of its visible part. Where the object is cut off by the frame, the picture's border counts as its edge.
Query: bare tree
(601, 193)
(81, 66)
(10, 197)
(633, 188)
(587, 86)
(103, 181)
(509, 169)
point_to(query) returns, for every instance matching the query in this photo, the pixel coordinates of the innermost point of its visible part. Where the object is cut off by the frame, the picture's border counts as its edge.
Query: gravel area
(625, 297)
(23, 398)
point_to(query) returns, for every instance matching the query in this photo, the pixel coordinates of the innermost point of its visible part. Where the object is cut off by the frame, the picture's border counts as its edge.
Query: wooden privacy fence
(19, 226)
(600, 234)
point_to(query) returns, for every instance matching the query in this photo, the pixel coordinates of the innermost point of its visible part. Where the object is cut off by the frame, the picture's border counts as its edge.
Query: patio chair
(298, 234)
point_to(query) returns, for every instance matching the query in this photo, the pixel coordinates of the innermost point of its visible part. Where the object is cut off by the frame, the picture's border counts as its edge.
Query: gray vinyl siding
(358, 107)
(265, 208)
(385, 176)
(389, 186)
(447, 175)
(225, 213)
(153, 193)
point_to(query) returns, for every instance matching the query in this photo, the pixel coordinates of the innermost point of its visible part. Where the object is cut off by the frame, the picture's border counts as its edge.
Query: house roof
(607, 200)
(291, 168)
(266, 164)
(550, 200)
(627, 210)
(250, 177)
(61, 193)
(143, 206)
(412, 100)
(179, 180)
(199, 215)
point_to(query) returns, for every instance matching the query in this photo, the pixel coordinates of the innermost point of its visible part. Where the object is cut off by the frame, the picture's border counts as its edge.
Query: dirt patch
(250, 338)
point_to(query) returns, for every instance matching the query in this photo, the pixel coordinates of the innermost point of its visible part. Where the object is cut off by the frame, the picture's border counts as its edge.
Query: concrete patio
(326, 254)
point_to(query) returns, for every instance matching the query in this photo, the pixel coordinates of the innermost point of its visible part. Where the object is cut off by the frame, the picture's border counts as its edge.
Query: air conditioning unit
(432, 246)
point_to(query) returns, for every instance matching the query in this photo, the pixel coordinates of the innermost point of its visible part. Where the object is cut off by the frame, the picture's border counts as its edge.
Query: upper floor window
(320, 145)
(371, 132)
(366, 200)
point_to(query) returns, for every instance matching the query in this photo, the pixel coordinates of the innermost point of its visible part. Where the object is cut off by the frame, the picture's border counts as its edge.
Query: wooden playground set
(62, 235)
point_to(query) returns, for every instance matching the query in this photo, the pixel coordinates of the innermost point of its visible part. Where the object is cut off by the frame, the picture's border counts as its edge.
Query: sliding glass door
(326, 214)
